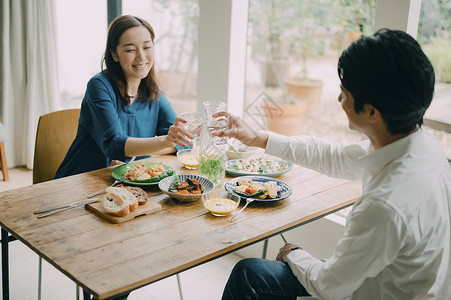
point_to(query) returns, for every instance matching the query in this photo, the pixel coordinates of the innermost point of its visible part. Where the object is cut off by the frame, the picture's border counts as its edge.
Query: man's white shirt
(397, 237)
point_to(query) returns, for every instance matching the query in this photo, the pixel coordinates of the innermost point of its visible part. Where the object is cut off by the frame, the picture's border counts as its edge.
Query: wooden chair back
(3, 153)
(56, 132)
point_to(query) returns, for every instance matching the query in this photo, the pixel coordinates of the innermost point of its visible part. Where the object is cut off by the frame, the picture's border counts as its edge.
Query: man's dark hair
(389, 71)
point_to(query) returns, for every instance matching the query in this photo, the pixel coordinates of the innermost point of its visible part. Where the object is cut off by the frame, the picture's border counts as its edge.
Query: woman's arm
(161, 144)
(106, 126)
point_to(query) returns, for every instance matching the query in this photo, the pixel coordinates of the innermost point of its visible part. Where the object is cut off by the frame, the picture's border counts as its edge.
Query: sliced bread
(139, 193)
(127, 196)
(115, 205)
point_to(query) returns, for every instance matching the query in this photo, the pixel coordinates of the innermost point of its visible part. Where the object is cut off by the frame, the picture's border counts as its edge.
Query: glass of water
(218, 124)
(194, 122)
(215, 124)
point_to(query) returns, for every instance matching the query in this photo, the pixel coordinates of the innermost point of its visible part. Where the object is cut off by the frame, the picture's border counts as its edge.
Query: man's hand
(284, 251)
(239, 130)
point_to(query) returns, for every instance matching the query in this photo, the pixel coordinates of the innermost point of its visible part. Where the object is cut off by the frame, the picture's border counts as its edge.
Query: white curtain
(29, 77)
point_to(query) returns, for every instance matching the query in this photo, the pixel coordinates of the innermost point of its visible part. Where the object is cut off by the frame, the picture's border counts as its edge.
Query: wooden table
(107, 259)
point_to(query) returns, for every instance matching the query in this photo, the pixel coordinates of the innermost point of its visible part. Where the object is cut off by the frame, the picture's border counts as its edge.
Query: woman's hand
(284, 251)
(241, 131)
(177, 134)
(115, 162)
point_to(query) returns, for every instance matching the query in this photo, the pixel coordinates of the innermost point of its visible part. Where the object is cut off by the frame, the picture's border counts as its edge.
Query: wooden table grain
(107, 259)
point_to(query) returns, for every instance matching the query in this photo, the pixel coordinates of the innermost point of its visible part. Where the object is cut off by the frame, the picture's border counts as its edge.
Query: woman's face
(135, 53)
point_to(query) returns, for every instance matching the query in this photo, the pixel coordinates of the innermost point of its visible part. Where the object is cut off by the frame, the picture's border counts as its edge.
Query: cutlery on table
(50, 211)
(101, 191)
(248, 200)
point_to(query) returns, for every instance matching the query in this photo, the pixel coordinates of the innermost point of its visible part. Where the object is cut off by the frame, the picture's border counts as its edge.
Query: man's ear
(373, 113)
(113, 53)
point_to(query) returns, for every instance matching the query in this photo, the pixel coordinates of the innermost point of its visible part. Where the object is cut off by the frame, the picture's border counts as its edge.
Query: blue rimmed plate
(285, 189)
(231, 169)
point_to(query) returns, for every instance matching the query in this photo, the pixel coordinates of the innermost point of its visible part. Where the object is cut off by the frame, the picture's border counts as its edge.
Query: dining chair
(56, 132)
(54, 135)
(2, 152)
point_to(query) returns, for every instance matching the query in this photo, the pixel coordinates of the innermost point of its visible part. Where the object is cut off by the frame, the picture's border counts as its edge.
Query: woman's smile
(135, 53)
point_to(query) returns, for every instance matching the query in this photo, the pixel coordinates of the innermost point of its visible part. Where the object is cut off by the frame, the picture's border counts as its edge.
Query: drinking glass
(194, 121)
(218, 124)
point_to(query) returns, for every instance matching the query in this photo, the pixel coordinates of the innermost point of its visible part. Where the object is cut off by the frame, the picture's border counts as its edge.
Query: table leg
(5, 265)
(179, 283)
(265, 248)
(86, 296)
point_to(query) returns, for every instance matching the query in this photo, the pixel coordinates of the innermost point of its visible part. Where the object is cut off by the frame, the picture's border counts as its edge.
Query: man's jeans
(258, 279)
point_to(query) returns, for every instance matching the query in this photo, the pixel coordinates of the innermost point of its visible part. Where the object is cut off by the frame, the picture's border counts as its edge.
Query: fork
(101, 191)
(248, 200)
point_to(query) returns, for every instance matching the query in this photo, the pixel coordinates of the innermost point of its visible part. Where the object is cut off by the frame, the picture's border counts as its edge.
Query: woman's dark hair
(148, 88)
(389, 71)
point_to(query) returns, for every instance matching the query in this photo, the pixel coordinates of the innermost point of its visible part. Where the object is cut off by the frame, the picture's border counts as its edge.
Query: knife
(101, 191)
(51, 211)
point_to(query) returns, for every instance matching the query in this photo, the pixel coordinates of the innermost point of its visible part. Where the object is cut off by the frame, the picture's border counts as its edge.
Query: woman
(123, 113)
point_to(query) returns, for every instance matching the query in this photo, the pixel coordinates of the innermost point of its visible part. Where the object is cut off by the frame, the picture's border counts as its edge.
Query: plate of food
(142, 173)
(261, 166)
(186, 187)
(261, 188)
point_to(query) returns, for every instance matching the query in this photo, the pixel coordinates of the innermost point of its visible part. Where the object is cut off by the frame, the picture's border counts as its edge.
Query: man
(396, 243)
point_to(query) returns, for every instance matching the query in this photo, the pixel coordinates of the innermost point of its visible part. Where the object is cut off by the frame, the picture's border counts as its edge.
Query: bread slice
(115, 205)
(139, 193)
(128, 197)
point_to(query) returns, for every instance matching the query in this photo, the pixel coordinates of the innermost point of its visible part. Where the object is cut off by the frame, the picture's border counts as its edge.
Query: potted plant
(290, 32)
(305, 43)
(177, 42)
(270, 49)
(354, 19)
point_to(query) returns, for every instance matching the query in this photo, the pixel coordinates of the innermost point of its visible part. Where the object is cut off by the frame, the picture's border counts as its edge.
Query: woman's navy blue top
(106, 123)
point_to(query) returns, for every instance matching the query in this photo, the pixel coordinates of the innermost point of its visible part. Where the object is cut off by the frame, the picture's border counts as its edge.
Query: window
(434, 34)
(81, 38)
(293, 50)
(175, 23)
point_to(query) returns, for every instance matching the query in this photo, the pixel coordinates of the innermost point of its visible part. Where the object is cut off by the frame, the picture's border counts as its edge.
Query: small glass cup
(187, 158)
(194, 122)
(220, 203)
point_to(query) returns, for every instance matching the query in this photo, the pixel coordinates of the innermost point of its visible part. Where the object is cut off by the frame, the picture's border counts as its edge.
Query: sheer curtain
(29, 76)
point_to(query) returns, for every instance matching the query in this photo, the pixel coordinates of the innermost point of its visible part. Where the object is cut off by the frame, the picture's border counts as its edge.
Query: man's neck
(384, 138)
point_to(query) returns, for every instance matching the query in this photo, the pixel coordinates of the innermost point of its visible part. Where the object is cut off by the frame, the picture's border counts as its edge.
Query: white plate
(235, 172)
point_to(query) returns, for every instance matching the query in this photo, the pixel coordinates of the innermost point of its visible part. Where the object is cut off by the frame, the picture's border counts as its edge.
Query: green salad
(212, 167)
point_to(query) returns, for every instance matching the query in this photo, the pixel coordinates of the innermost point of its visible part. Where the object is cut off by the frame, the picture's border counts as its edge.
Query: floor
(205, 282)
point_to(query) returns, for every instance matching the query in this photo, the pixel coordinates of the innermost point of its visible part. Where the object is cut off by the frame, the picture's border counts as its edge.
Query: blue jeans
(258, 279)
